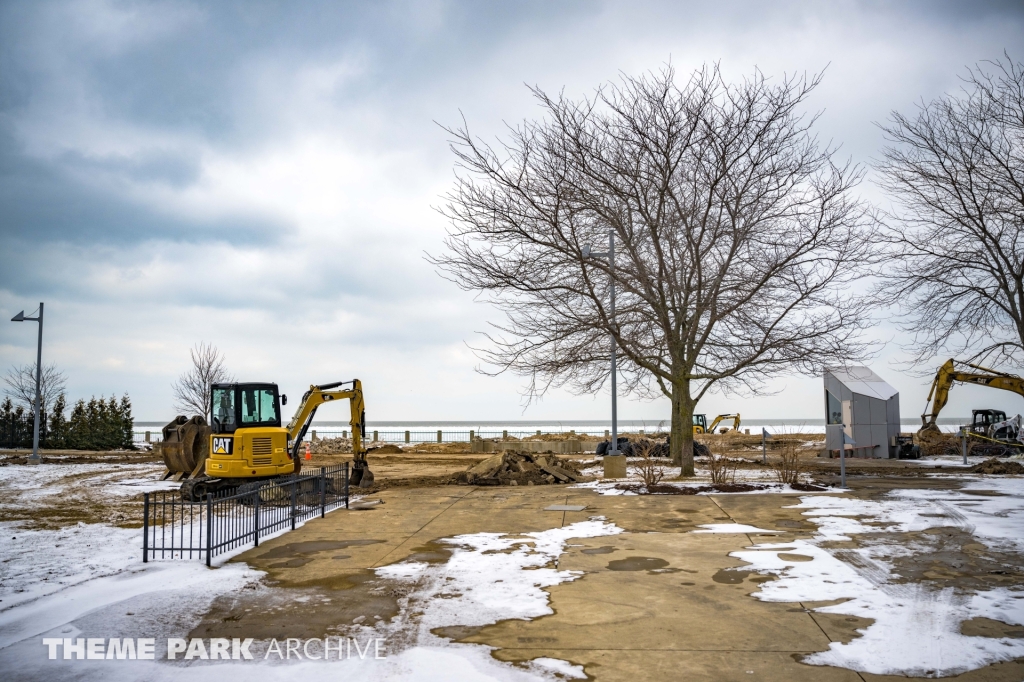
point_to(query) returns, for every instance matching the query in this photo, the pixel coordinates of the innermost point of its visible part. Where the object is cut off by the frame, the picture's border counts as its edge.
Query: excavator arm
(947, 374)
(315, 397)
(718, 420)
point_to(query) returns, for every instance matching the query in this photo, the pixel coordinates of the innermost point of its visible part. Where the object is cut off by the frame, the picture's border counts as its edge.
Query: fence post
(145, 527)
(323, 492)
(471, 434)
(406, 436)
(295, 485)
(439, 436)
(256, 519)
(375, 439)
(504, 434)
(209, 527)
(346, 484)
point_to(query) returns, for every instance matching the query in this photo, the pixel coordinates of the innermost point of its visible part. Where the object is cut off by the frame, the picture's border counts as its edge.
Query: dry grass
(787, 467)
(649, 469)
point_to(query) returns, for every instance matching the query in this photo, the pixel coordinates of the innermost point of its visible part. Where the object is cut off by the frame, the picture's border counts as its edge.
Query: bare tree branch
(738, 233)
(956, 170)
(192, 389)
(21, 385)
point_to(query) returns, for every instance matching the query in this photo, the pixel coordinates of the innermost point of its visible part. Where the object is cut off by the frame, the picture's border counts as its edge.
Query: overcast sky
(262, 175)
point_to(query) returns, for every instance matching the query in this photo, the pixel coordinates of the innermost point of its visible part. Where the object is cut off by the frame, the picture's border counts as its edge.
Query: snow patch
(916, 628)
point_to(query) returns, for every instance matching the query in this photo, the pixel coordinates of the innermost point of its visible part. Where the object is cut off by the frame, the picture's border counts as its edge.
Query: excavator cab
(700, 423)
(247, 439)
(982, 420)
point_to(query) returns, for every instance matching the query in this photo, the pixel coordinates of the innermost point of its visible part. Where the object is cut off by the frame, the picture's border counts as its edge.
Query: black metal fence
(173, 528)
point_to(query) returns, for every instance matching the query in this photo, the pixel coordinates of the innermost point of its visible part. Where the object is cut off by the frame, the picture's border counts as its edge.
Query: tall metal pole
(615, 411)
(34, 459)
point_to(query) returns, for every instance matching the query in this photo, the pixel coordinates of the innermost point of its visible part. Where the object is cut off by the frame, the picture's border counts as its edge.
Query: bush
(787, 467)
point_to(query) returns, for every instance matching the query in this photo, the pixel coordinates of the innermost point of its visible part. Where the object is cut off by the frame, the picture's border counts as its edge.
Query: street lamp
(588, 252)
(20, 317)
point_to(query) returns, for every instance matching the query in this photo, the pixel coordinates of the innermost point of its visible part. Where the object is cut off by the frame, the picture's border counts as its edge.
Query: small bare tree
(192, 389)
(722, 469)
(787, 467)
(737, 237)
(650, 470)
(956, 169)
(21, 385)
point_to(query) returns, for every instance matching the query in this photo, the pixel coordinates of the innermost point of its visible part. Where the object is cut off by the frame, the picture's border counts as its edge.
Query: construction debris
(995, 466)
(330, 446)
(521, 468)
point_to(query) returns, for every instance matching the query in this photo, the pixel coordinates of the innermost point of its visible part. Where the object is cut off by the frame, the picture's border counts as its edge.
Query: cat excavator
(982, 376)
(248, 444)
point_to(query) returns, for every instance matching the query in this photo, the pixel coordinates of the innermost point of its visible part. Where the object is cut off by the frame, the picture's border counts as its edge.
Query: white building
(868, 408)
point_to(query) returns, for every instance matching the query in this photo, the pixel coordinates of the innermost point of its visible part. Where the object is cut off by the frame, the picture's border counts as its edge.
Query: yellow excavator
(248, 443)
(981, 420)
(700, 422)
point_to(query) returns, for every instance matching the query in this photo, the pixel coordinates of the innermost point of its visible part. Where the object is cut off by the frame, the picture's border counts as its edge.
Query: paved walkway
(688, 621)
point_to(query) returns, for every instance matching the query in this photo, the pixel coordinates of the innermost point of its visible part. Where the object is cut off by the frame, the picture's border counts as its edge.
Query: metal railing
(392, 436)
(173, 528)
(381, 436)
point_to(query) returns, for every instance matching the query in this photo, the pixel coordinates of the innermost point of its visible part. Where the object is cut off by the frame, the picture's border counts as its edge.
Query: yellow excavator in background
(722, 417)
(700, 423)
(248, 443)
(983, 376)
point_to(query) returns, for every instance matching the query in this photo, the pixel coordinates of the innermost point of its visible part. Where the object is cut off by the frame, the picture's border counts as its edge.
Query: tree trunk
(676, 431)
(682, 427)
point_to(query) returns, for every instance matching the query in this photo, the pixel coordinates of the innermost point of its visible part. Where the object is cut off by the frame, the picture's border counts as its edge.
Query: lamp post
(588, 252)
(20, 317)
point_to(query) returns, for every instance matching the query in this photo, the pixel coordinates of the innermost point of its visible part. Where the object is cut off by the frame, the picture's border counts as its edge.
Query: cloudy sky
(263, 175)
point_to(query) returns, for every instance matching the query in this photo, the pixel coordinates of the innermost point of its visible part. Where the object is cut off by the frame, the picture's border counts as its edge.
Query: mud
(304, 612)
(599, 550)
(735, 576)
(637, 563)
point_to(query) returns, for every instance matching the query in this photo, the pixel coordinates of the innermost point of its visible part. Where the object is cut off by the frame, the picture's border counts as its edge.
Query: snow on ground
(53, 580)
(34, 563)
(490, 577)
(916, 628)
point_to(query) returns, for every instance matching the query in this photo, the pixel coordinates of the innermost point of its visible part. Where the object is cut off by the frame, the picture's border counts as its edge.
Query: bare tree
(737, 235)
(956, 169)
(192, 389)
(21, 385)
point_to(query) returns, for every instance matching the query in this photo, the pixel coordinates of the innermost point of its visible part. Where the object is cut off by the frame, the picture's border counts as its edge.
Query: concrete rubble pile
(521, 468)
(330, 446)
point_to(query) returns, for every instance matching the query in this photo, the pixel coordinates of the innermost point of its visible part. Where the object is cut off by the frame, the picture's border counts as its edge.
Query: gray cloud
(261, 175)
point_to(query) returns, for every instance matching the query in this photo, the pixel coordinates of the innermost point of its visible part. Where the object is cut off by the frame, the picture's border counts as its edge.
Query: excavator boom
(720, 418)
(315, 397)
(948, 374)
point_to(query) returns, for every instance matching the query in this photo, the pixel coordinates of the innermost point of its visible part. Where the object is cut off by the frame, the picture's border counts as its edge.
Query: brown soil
(995, 466)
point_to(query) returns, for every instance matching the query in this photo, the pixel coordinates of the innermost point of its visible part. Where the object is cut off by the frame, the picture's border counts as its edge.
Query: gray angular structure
(869, 408)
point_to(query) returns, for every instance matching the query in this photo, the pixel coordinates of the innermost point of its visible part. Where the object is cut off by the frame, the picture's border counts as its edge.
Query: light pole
(611, 469)
(20, 317)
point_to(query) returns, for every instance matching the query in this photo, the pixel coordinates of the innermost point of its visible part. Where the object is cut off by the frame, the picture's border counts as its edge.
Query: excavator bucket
(361, 476)
(185, 447)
